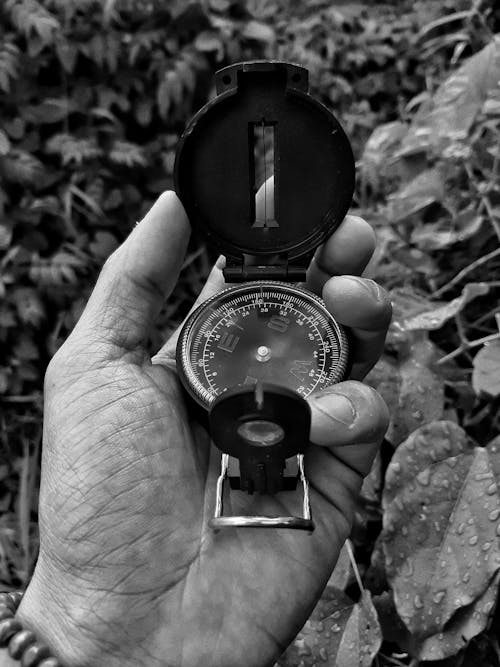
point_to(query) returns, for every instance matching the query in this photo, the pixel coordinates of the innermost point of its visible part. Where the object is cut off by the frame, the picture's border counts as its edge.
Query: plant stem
(466, 270)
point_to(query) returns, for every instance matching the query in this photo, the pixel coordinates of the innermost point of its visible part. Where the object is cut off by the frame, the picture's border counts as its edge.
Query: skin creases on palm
(128, 571)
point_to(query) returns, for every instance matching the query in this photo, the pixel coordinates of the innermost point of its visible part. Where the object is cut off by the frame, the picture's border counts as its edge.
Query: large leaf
(339, 632)
(441, 526)
(425, 189)
(379, 149)
(413, 391)
(440, 235)
(51, 110)
(426, 446)
(413, 312)
(464, 625)
(449, 115)
(486, 373)
(420, 400)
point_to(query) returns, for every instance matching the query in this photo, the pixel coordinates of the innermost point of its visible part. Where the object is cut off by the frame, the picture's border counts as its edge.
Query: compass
(266, 173)
(271, 332)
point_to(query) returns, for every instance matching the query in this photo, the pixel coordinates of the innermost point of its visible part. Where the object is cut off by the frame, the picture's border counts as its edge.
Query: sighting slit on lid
(262, 139)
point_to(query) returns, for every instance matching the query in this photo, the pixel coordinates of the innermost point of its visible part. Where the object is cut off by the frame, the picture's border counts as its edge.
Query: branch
(464, 272)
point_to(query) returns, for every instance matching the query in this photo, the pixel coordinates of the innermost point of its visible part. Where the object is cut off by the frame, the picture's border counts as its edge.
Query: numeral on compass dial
(228, 342)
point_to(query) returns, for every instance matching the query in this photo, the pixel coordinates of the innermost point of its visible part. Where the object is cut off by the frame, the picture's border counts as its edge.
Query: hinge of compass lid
(271, 267)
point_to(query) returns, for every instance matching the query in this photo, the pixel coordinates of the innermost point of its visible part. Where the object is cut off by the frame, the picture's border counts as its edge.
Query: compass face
(269, 332)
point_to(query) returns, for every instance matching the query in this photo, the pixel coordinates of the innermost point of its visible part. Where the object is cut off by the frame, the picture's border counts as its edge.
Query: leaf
(342, 572)
(144, 112)
(30, 17)
(67, 53)
(21, 167)
(6, 228)
(103, 245)
(15, 128)
(432, 236)
(420, 400)
(433, 442)
(29, 306)
(419, 313)
(51, 110)
(9, 65)
(25, 348)
(4, 143)
(339, 632)
(72, 149)
(453, 109)
(441, 526)
(208, 41)
(372, 484)
(260, 32)
(413, 391)
(362, 636)
(380, 148)
(486, 369)
(425, 189)
(163, 98)
(463, 626)
(127, 153)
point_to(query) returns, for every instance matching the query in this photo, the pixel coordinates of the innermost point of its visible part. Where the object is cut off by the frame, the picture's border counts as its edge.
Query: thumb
(349, 419)
(137, 278)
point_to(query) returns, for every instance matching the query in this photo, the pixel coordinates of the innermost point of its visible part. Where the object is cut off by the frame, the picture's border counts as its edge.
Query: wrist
(59, 615)
(86, 626)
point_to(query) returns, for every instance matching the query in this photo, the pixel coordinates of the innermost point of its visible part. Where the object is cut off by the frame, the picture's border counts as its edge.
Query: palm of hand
(128, 481)
(143, 464)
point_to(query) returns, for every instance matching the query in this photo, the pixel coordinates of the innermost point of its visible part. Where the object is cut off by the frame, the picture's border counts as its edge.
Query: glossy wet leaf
(441, 526)
(420, 400)
(440, 312)
(427, 445)
(412, 389)
(339, 632)
(465, 624)
(450, 113)
(486, 373)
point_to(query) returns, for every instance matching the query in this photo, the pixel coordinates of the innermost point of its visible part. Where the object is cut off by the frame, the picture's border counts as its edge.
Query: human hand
(129, 572)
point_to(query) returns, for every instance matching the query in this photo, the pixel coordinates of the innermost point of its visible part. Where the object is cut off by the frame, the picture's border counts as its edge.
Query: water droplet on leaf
(437, 597)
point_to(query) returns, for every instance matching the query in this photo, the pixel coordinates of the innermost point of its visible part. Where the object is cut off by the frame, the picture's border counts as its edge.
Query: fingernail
(368, 285)
(340, 408)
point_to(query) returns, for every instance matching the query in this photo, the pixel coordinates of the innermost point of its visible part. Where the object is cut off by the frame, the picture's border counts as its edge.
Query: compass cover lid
(264, 170)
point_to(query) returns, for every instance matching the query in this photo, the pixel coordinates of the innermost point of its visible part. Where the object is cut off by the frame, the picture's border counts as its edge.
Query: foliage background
(93, 97)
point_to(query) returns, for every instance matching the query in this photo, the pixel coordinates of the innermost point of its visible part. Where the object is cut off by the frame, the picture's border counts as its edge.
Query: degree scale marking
(230, 311)
(226, 311)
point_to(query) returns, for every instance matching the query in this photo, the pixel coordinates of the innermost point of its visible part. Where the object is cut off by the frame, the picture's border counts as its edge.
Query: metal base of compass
(219, 521)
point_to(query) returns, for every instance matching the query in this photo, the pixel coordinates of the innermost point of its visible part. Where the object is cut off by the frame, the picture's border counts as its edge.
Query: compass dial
(269, 332)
